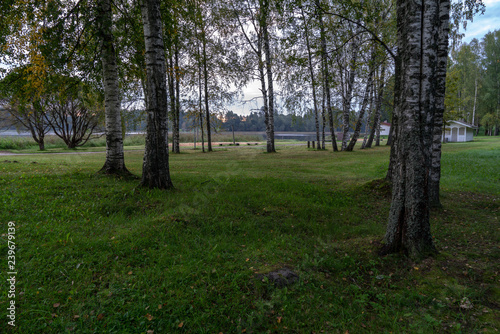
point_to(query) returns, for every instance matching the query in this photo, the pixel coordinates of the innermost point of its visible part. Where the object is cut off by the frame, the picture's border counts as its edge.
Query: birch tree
(115, 161)
(364, 104)
(419, 37)
(326, 74)
(155, 168)
(253, 18)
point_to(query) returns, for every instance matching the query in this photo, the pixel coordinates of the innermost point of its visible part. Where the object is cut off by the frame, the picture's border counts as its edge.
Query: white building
(385, 128)
(458, 131)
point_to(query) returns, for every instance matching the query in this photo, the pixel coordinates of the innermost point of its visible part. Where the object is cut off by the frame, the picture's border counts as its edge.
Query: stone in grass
(281, 277)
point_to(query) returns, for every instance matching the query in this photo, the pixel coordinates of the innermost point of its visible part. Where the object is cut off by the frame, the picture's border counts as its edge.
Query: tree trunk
(368, 118)
(155, 168)
(264, 13)
(176, 134)
(200, 104)
(174, 94)
(348, 94)
(41, 144)
(364, 104)
(409, 227)
(270, 91)
(171, 95)
(378, 109)
(205, 77)
(323, 121)
(313, 82)
(377, 133)
(262, 77)
(326, 75)
(394, 123)
(475, 101)
(115, 162)
(440, 92)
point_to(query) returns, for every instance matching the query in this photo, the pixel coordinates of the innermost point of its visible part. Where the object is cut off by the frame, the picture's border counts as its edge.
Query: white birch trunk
(440, 92)
(115, 162)
(408, 229)
(155, 168)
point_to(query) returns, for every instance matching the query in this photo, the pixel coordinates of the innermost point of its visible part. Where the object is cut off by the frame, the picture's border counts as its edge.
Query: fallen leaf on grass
(150, 331)
(76, 316)
(149, 317)
(100, 316)
(160, 306)
(56, 305)
(130, 273)
(279, 319)
(180, 325)
(466, 304)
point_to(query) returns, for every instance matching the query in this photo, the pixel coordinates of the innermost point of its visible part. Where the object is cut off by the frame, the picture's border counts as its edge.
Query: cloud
(482, 24)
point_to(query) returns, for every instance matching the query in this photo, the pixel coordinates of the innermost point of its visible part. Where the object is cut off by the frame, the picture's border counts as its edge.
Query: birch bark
(326, 76)
(442, 59)
(155, 168)
(313, 81)
(408, 228)
(364, 105)
(115, 161)
(350, 77)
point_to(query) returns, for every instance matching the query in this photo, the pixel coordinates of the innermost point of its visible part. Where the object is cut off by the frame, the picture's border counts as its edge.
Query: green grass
(98, 142)
(97, 254)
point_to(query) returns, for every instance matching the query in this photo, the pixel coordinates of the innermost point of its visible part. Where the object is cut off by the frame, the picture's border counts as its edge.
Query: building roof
(385, 123)
(462, 123)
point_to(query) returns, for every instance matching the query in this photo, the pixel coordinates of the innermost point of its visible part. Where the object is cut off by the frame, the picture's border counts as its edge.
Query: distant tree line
(255, 121)
(473, 83)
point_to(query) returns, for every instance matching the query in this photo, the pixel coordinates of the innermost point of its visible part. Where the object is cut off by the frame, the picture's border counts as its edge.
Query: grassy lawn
(95, 254)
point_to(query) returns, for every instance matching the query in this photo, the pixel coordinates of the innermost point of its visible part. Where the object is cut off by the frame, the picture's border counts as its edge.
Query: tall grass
(25, 143)
(53, 142)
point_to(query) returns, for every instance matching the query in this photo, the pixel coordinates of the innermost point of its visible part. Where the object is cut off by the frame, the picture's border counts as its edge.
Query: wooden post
(314, 144)
(308, 144)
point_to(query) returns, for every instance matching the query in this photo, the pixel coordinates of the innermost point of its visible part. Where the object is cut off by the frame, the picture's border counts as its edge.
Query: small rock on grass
(281, 278)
